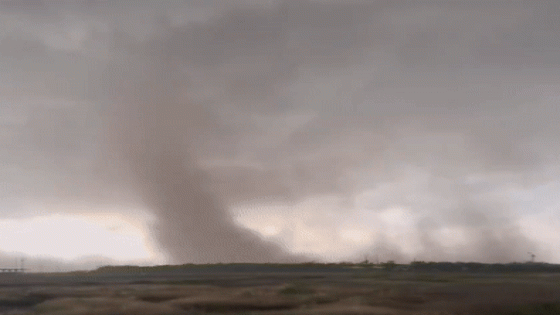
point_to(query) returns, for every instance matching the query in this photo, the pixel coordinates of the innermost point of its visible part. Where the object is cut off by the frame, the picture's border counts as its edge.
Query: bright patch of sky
(72, 237)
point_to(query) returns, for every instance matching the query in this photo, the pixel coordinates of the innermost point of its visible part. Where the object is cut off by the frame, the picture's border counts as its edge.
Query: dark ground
(281, 289)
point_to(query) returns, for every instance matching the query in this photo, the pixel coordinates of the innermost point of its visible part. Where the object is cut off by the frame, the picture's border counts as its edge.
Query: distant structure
(11, 270)
(532, 257)
(19, 269)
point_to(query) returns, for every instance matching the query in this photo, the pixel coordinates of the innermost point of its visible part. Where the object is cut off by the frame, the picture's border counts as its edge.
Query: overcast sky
(230, 131)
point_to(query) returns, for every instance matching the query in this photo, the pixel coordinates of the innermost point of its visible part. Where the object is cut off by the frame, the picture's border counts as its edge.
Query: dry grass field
(286, 291)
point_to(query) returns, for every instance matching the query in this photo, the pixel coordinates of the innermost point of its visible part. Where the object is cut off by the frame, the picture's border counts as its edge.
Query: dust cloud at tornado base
(443, 114)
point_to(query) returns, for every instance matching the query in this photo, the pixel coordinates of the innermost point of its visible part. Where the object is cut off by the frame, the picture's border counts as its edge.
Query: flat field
(278, 289)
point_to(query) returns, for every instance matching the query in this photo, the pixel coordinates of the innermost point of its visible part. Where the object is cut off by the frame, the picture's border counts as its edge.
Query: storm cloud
(423, 129)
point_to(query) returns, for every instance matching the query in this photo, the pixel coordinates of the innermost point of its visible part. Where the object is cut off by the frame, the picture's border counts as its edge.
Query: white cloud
(72, 237)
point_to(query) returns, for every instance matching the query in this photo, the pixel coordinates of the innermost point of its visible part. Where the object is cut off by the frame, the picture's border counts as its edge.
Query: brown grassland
(349, 290)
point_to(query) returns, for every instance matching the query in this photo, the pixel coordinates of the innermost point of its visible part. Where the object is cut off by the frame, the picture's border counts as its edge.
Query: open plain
(279, 289)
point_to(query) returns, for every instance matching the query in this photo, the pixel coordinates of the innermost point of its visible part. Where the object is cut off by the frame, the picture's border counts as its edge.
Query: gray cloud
(285, 100)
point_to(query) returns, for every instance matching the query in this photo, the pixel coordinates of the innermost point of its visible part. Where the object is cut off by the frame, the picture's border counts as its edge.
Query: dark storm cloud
(287, 100)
